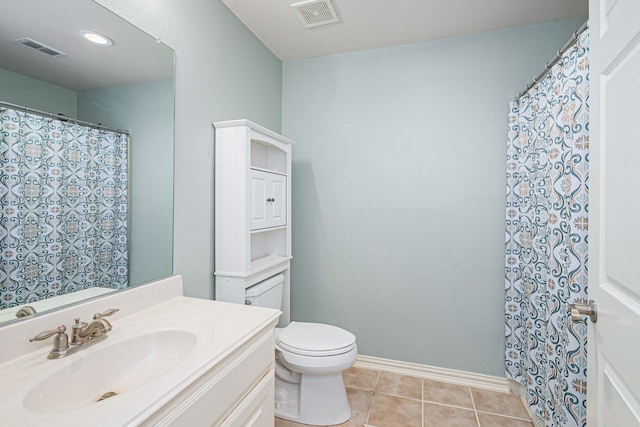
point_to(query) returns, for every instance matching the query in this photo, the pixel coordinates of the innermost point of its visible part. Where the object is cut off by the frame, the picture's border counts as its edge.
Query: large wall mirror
(86, 154)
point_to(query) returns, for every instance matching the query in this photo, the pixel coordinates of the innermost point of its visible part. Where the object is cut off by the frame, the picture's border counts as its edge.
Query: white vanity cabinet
(237, 392)
(252, 209)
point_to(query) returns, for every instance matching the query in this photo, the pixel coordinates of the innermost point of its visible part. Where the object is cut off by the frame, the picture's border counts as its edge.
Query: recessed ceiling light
(96, 38)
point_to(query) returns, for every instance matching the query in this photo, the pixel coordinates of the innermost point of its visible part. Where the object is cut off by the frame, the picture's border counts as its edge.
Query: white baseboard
(481, 381)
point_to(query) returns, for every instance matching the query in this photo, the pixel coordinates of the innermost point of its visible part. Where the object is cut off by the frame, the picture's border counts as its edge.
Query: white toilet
(310, 358)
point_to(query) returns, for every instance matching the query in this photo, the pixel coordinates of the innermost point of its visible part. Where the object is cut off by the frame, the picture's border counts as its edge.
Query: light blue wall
(398, 191)
(223, 72)
(21, 90)
(146, 111)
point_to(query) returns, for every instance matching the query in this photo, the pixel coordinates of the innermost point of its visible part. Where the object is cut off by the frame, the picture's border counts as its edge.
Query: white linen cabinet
(252, 209)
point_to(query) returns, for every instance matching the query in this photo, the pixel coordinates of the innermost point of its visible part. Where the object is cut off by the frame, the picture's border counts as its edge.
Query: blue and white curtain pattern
(546, 240)
(63, 200)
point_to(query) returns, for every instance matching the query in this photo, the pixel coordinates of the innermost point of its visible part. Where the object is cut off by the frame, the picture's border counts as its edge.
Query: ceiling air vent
(41, 47)
(314, 12)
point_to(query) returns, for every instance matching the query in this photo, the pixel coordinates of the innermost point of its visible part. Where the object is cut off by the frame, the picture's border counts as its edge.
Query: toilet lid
(315, 339)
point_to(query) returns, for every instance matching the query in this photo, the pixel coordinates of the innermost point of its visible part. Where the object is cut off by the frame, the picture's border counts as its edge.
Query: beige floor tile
(360, 378)
(393, 411)
(490, 420)
(360, 402)
(448, 416)
(400, 385)
(450, 394)
(384, 399)
(499, 403)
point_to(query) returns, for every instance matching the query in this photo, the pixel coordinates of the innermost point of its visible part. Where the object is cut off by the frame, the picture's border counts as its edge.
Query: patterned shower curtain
(546, 240)
(63, 200)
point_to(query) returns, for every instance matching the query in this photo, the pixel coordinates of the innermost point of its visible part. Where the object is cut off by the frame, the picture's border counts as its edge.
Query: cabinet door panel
(268, 200)
(259, 186)
(277, 208)
(256, 409)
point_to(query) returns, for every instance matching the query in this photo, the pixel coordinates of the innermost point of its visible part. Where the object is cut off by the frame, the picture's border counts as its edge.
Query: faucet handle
(60, 342)
(106, 313)
(47, 334)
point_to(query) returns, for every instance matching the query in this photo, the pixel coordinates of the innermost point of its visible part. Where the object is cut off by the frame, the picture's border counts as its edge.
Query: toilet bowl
(309, 361)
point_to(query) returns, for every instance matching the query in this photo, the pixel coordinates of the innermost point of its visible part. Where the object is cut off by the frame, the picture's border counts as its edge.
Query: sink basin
(107, 370)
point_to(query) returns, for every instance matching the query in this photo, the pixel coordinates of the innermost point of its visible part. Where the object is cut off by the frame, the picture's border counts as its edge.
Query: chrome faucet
(83, 335)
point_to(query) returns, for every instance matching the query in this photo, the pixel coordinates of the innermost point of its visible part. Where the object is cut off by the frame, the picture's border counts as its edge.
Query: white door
(614, 231)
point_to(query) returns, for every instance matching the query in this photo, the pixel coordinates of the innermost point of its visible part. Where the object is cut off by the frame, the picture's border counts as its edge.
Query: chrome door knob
(579, 310)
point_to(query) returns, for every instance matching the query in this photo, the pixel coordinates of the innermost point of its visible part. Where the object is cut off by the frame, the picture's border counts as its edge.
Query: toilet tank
(267, 293)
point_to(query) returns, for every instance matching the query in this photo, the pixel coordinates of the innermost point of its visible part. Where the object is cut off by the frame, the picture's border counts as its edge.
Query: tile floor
(385, 399)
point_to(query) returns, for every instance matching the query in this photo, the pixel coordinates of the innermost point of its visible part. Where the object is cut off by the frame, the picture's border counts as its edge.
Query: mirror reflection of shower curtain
(547, 239)
(63, 199)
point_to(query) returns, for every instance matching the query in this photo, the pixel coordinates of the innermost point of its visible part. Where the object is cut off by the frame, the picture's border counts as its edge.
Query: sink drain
(107, 395)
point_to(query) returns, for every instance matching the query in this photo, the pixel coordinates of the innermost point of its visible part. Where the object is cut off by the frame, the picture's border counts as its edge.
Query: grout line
(422, 398)
(466, 408)
(473, 401)
(400, 396)
(475, 410)
(506, 416)
(372, 396)
(359, 388)
(366, 421)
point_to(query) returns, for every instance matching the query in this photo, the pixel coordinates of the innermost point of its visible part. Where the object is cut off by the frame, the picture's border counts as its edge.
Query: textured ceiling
(367, 24)
(134, 57)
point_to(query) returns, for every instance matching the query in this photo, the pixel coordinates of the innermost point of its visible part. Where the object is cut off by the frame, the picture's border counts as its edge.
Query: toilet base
(315, 400)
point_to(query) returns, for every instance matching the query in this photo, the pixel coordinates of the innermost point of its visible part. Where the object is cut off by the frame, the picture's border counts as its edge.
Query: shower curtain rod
(556, 58)
(60, 117)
